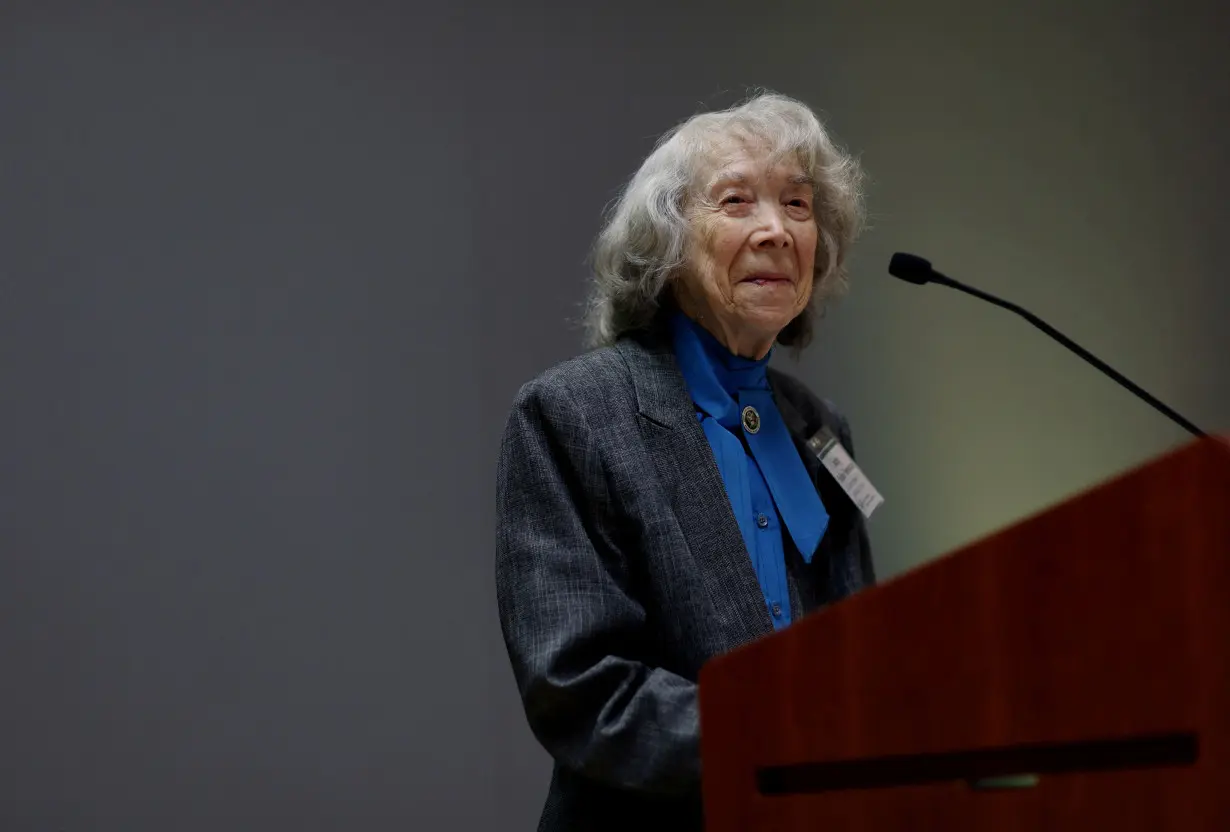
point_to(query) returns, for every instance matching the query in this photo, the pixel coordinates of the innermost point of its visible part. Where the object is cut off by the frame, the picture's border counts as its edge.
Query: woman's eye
(799, 203)
(733, 200)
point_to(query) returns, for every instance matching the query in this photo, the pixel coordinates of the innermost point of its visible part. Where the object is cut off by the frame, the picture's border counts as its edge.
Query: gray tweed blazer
(620, 570)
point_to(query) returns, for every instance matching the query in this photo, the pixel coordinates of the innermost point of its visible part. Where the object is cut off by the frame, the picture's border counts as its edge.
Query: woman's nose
(772, 232)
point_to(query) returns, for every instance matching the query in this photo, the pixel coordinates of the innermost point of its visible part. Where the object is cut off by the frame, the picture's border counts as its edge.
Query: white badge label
(849, 476)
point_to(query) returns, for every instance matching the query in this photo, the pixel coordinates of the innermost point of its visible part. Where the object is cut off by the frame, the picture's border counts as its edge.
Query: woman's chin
(768, 320)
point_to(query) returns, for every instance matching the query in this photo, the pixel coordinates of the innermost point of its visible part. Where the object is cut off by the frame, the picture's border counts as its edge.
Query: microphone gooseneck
(918, 270)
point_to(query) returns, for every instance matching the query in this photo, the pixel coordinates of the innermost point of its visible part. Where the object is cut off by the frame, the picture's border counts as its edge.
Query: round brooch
(751, 420)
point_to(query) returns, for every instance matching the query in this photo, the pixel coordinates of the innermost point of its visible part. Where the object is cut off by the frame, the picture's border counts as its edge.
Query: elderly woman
(658, 503)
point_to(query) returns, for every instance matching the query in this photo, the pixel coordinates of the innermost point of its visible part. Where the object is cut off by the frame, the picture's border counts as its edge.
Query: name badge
(834, 457)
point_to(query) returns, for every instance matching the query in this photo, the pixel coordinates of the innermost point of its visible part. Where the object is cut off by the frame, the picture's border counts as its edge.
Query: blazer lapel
(694, 487)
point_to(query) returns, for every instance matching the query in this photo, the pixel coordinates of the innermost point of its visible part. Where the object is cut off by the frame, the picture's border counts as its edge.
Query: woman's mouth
(767, 279)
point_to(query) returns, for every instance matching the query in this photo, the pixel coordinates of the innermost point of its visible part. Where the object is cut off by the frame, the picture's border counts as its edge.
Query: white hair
(643, 243)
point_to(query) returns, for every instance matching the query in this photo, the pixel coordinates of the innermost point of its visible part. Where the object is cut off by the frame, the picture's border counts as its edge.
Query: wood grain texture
(1105, 617)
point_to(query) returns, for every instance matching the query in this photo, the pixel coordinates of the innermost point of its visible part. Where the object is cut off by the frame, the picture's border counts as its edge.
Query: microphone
(917, 270)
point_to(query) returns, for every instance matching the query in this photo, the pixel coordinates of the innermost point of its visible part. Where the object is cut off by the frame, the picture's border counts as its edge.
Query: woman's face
(752, 254)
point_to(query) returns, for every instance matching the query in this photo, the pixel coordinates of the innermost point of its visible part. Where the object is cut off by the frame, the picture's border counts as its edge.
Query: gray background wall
(270, 275)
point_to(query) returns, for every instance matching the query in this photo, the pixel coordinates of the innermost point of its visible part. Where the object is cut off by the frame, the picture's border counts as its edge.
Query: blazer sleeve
(574, 630)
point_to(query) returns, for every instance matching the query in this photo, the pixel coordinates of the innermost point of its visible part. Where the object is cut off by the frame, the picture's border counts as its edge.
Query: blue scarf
(722, 385)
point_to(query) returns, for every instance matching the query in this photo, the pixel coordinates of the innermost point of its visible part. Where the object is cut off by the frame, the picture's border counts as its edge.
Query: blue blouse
(767, 483)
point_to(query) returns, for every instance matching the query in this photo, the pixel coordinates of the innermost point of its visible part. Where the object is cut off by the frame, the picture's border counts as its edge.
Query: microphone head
(911, 268)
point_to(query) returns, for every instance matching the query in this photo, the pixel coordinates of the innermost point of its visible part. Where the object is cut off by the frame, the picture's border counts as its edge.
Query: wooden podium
(1071, 672)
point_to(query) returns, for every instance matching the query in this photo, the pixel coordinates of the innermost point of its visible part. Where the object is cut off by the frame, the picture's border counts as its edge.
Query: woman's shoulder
(597, 380)
(814, 409)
